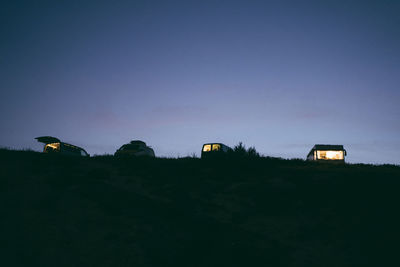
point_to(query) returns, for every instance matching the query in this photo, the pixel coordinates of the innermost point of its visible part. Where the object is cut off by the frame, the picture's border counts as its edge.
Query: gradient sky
(278, 75)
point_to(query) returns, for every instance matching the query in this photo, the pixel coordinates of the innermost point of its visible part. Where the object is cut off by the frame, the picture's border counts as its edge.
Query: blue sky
(278, 75)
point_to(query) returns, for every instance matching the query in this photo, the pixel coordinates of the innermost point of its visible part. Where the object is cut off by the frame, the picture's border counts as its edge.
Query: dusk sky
(278, 75)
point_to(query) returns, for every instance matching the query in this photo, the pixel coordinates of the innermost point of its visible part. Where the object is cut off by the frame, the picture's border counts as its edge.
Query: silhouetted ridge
(236, 211)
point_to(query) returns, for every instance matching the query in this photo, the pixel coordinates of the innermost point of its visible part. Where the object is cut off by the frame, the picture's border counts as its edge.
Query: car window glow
(53, 146)
(216, 147)
(207, 148)
(329, 154)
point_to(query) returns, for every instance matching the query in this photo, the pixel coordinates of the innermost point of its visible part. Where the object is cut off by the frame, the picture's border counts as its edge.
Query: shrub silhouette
(240, 151)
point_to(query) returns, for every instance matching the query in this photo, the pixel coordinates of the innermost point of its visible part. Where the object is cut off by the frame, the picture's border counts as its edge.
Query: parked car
(135, 148)
(54, 145)
(211, 150)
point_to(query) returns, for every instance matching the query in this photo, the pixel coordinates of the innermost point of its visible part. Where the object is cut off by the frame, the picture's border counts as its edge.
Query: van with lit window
(54, 145)
(327, 153)
(214, 150)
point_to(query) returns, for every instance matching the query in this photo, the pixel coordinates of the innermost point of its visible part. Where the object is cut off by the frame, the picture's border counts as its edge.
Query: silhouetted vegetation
(251, 211)
(240, 151)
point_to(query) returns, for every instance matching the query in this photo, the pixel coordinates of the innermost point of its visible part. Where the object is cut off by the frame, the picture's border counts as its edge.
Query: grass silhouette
(234, 211)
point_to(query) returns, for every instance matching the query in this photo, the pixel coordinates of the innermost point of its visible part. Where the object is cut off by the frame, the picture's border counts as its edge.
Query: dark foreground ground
(102, 211)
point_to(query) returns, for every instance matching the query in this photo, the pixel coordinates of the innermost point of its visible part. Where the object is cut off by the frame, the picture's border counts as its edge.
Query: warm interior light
(52, 146)
(216, 147)
(207, 148)
(329, 154)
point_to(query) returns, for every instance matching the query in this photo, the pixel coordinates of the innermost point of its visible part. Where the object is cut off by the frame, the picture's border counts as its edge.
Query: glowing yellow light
(216, 147)
(207, 148)
(330, 155)
(54, 145)
(51, 147)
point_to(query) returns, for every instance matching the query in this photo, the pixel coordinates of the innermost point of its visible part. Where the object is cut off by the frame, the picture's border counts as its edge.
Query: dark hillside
(103, 211)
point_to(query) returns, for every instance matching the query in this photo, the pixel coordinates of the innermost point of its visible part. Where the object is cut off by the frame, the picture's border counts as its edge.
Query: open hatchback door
(47, 139)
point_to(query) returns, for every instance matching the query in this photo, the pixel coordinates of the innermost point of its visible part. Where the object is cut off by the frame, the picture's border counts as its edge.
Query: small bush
(241, 151)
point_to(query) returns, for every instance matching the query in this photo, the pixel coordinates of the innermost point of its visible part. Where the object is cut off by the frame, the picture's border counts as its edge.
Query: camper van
(54, 145)
(330, 153)
(135, 148)
(214, 150)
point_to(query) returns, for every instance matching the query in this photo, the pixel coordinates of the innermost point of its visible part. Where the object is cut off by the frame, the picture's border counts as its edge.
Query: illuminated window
(207, 148)
(216, 147)
(335, 155)
(52, 147)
